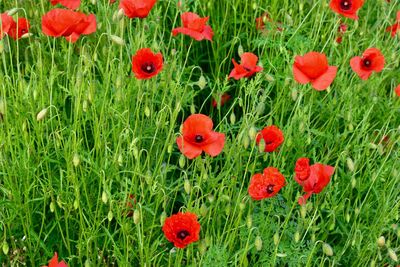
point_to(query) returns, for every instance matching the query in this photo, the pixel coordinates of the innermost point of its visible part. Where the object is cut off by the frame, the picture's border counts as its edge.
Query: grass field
(80, 137)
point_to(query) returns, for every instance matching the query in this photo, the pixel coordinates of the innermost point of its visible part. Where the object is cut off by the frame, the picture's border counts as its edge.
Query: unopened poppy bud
(110, 216)
(347, 217)
(260, 108)
(118, 40)
(76, 204)
(163, 217)
(182, 161)
(76, 160)
(202, 247)
(350, 164)
(327, 249)
(353, 182)
(246, 141)
(42, 114)
(104, 197)
(240, 50)
(85, 105)
(381, 241)
(169, 148)
(269, 78)
(187, 186)
(27, 35)
(289, 19)
(372, 263)
(211, 198)
(120, 160)
(203, 210)
(136, 216)
(226, 198)
(12, 11)
(276, 239)
(242, 206)
(202, 83)
(301, 127)
(232, 118)
(120, 14)
(258, 243)
(228, 209)
(356, 211)
(261, 146)
(252, 133)
(249, 221)
(87, 263)
(5, 248)
(135, 152)
(254, 6)
(392, 255)
(351, 127)
(303, 211)
(52, 206)
(192, 109)
(147, 111)
(296, 237)
(2, 106)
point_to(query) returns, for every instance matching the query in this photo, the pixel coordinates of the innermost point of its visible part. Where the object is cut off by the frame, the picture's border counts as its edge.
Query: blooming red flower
(247, 68)
(341, 30)
(224, 98)
(19, 29)
(71, 4)
(195, 27)
(313, 67)
(267, 184)
(146, 64)
(130, 202)
(70, 24)
(198, 136)
(54, 262)
(261, 22)
(397, 90)
(182, 229)
(395, 27)
(347, 8)
(372, 60)
(273, 138)
(6, 23)
(312, 178)
(137, 8)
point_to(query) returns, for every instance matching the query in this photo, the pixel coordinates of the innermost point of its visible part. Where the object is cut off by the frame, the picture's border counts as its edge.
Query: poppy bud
(26, 35)
(350, 164)
(192, 109)
(249, 221)
(289, 19)
(261, 146)
(258, 243)
(228, 209)
(136, 216)
(276, 239)
(202, 247)
(260, 108)
(169, 148)
(254, 6)
(242, 206)
(232, 118)
(372, 263)
(120, 160)
(110, 216)
(203, 210)
(52, 206)
(240, 50)
(347, 217)
(5, 248)
(42, 114)
(327, 249)
(211, 198)
(2, 106)
(87, 263)
(12, 11)
(246, 141)
(269, 78)
(147, 111)
(202, 83)
(381, 241)
(163, 217)
(353, 182)
(313, 238)
(392, 255)
(76, 204)
(104, 197)
(135, 152)
(303, 211)
(182, 161)
(296, 237)
(187, 186)
(118, 40)
(76, 160)
(252, 133)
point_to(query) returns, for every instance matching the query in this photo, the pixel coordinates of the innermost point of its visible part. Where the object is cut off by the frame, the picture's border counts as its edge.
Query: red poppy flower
(71, 4)
(146, 64)
(372, 60)
(70, 24)
(54, 262)
(347, 8)
(224, 98)
(6, 23)
(273, 138)
(319, 176)
(261, 22)
(267, 184)
(19, 29)
(198, 136)
(195, 27)
(247, 68)
(395, 27)
(397, 90)
(341, 30)
(182, 229)
(130, 202)
(313, 67)
(112, 1)
(137, 8)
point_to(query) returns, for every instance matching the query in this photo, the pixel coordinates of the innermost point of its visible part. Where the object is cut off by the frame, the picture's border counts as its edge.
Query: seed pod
(187, 186)
(110, 216)
(381, 241)
(392, 255)
(258, 243)
(42, 114)
(104, 197)
(118, 40)
(136, 216)
(327, 249)
(242, 206)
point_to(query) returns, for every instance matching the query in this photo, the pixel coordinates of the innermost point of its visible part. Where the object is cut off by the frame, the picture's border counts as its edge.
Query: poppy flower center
(198, 138)
(367, 63)
(182, 234)
(148, 67)
(345, 5)
(270, 189)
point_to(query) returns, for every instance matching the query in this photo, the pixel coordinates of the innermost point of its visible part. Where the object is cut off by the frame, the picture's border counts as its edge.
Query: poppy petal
(299, 76)
(215, 148)
(355, 64)
(195, 35)
(323, 81)
(188, 149)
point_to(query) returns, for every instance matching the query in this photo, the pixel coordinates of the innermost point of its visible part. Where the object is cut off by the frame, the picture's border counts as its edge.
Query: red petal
(299, 76)
(323, 81)
(214, 148)
(355, 64)
(187, 149)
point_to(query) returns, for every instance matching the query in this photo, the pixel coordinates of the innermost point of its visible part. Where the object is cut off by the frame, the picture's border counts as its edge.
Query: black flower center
(182, 234)
(367, 63)
(198, 138)
(148, 67)
(270, 189)
(345, 4)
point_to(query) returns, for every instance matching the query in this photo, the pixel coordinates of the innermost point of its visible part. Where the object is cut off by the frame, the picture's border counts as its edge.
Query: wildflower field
(199, 133)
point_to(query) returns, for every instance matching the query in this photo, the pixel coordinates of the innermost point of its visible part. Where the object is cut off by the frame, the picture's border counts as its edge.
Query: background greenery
(65, 180)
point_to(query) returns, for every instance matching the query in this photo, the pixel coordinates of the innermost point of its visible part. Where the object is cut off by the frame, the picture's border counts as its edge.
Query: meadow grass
(65, 179)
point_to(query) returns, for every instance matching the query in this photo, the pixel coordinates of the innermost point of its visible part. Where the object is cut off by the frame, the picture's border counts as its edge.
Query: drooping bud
(327, 249)
(187, 186)
(258, 243)
(136, 216)
(42, 114)
(381, 241)
(118, 40)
